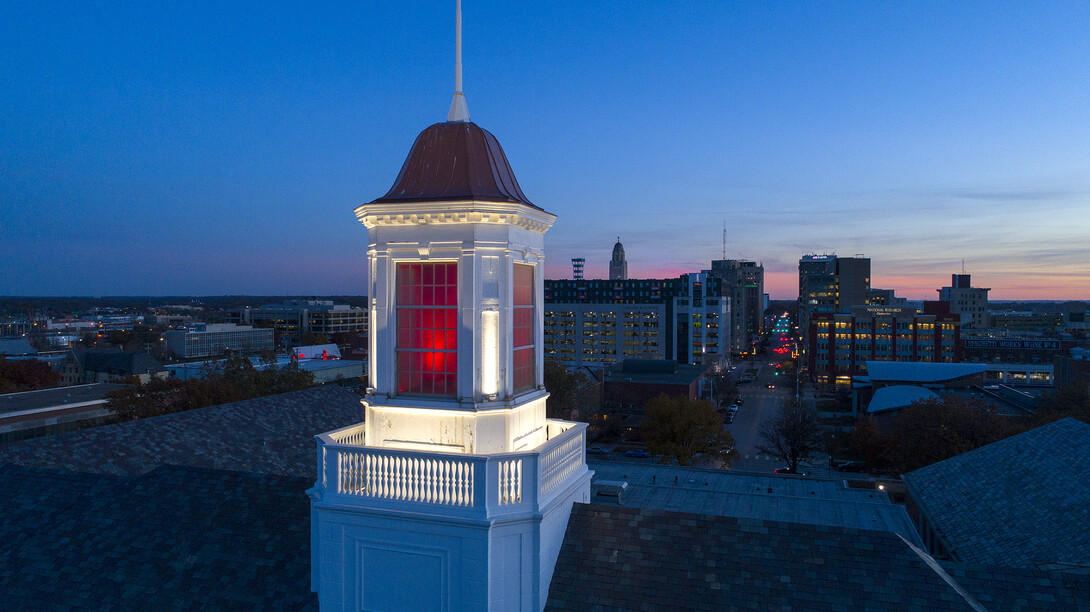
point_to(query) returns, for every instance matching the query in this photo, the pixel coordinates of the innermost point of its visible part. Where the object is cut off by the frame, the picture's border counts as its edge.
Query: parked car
(728, 418)
(597, 450)
(788, 470)
(733, 407)
(639, 453)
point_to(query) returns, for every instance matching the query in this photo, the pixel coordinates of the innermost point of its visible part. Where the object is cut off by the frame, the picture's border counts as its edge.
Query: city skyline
(206, 150)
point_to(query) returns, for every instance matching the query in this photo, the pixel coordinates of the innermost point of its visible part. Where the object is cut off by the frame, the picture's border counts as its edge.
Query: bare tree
(793, 435)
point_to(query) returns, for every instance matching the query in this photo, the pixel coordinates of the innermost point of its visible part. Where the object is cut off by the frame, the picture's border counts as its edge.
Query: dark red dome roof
(456, 160)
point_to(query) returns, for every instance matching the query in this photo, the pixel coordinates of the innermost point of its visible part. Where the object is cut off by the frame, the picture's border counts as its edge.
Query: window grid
(427, 330)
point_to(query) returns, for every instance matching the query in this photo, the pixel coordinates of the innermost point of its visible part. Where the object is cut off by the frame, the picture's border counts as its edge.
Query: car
(739, 401)
(788, 470)
(770, 386)
(639, 453)
(597, 450)
(733, 407)
(728, 418)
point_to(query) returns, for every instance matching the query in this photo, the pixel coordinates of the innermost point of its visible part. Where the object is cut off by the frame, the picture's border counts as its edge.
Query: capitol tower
(455, 490)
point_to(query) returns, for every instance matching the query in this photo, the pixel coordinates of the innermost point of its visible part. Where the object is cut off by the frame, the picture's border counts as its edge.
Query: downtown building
(597, 323)
(216, 339)
(744, 283)
(841, 344)
(293, 318)
(829, 284)
(966, 301)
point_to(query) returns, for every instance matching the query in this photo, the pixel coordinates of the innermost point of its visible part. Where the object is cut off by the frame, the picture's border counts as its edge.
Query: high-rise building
(597, 323)
(577, 264)
(743, 282)
(830, 284)
(618, 267)
(970, 303)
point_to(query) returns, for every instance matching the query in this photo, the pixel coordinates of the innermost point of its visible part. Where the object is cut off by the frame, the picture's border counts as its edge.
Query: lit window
(523, 328)
(427, 332)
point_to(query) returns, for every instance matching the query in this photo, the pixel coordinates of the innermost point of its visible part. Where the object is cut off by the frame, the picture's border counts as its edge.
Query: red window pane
(427, 337)
(523, 327)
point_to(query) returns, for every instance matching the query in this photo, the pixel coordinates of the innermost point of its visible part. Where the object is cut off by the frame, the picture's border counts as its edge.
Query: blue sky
(212, 148)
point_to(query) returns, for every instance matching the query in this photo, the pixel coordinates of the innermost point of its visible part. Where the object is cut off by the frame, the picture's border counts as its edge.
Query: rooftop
(1021, 502)
(776, 497)
(898, 396)
(271, 435)
(58, 396)
(648, 559)
(920, 371)
(455, 160)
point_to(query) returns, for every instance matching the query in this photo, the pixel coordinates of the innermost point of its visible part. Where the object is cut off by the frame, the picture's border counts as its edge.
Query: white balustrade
(468, 483)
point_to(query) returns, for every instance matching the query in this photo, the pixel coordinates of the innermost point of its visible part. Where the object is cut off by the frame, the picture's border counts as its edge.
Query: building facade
(743, 282)
(293, 318)
(214, 340)
(596, 323)
(841, 344)
(830, 284)
(970, 303)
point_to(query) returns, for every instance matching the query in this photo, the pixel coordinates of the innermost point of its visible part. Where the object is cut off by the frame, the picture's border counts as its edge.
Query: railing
(353, 435)
(479, 485)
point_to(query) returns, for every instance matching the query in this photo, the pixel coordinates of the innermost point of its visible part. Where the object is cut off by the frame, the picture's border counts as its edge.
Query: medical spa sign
(1014, 344)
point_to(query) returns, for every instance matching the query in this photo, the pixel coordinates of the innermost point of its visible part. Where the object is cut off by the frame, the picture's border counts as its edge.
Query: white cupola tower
(454, 492)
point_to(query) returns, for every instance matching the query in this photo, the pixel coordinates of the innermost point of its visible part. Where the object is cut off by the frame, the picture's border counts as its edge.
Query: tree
(682, 428)
(793, 434)
(569, 392)
(26, 375)
(932, 430)
(1071, 401)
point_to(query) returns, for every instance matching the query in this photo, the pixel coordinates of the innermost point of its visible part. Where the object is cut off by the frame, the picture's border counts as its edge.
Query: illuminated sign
(1014, 344)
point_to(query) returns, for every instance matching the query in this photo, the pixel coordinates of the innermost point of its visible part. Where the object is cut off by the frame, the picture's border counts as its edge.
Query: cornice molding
(464, 212)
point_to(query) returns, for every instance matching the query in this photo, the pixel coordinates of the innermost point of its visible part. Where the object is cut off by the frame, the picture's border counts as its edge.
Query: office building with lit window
(214, 340)
(842, 344)
(597, 323)
(743, 282)
(830, 284)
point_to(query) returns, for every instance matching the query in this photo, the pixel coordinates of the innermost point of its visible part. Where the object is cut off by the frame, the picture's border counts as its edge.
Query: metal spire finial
(458, 109)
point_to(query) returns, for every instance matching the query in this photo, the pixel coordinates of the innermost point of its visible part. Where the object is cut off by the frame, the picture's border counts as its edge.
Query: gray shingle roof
(271, 435)
(174, 538)
(639, 559)
(1019, 502)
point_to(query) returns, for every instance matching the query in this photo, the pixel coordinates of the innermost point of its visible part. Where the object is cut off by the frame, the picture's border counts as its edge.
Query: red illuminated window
(523, 327)
(427, 329)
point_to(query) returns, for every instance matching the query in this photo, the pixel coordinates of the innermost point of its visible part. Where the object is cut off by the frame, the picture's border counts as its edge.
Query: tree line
(232, 380)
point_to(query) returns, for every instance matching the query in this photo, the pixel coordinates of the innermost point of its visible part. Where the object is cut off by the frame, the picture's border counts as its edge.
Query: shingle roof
(1021, 589)
(639, 559)
(1021, 502)
(174, 538)
(271, 435)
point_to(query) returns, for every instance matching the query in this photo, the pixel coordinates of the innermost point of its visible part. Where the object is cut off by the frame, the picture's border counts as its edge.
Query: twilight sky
(203, 148)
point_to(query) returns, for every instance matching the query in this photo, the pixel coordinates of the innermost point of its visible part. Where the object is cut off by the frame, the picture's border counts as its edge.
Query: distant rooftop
(898, 396)
(58, 396)
(272, 435)
(920, 371)
(1023, 501)
(782, 498)
(16, 346)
